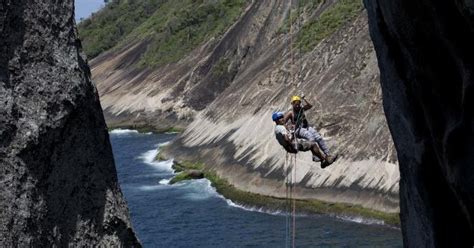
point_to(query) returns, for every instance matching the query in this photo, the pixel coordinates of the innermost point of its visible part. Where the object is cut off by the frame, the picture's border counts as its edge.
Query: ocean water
(192, 214)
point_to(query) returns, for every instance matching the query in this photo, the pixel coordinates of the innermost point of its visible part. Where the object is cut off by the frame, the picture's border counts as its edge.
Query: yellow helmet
(295, 98)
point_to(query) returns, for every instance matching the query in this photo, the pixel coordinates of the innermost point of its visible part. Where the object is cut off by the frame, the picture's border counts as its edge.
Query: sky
(84, 8)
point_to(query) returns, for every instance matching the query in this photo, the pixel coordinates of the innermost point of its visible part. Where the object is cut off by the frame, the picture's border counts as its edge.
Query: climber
(286, 139)
(302, 128)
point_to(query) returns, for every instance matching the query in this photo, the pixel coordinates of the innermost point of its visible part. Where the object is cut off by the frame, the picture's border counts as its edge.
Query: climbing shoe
(329, 160)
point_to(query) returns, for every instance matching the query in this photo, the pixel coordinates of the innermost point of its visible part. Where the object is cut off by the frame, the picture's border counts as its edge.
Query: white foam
(198, 189)
(150, 187)
(150, 156)
(360, 220)
(210, 191)
(123, 131)
(254, 209)
(164, 181)
(163, 144)
(171, 132)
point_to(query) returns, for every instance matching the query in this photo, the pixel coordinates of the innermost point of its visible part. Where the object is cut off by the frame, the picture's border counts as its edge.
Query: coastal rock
(58, 183)
(425, 55)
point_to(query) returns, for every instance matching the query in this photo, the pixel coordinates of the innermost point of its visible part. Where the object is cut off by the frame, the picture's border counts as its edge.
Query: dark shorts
(303, 146)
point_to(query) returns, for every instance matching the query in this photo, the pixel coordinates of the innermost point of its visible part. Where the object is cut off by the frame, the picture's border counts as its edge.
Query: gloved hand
(302, 95)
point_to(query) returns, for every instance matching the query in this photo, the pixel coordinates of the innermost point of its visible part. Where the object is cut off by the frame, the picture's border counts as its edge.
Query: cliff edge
(425, 55)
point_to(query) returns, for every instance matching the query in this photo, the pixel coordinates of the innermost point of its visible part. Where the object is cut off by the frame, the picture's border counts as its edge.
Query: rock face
(234, 134)
(230, 85)
(425, 55)
(58, 184)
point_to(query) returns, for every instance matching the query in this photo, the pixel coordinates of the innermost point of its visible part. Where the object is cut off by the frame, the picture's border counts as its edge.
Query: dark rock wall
(58, 183)
(426, 58)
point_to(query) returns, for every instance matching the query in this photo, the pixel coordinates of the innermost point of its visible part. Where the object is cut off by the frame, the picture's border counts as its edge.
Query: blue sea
(192, 214)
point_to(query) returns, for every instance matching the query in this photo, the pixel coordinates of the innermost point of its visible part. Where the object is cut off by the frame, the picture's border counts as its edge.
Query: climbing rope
(293, 180)
(290, 206)
(287, 201)
(290, 168)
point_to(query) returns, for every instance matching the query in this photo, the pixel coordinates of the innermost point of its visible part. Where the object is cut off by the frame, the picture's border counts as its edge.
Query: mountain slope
(225, 89)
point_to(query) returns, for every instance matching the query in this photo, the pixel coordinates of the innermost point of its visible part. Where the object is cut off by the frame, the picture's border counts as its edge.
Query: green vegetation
(185, 175)
(330, 20)
(106, 28)
(221, 67)
(180, 177)
(304, 8)
(290, 18)
(186, 165)
(224, 188)
(173, 28)
(174, 130)
(181, 25)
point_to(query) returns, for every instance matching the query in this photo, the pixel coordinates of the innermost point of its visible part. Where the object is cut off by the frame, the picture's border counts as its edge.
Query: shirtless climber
(302, 128)
(286, 139)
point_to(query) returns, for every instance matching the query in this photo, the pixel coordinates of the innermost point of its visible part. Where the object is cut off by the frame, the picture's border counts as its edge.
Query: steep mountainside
(229, 82)
(426, 60)
(58, 184)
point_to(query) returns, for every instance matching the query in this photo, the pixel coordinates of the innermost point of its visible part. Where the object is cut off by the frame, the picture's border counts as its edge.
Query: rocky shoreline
(183, 165)
(189, 170)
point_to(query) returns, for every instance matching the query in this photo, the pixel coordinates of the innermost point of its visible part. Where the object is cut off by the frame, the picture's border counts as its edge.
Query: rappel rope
(287, 202)
(290, 176)
(293, 238)
(290, 182)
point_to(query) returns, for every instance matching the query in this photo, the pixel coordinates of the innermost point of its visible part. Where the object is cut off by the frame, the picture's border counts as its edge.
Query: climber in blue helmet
(288, 142)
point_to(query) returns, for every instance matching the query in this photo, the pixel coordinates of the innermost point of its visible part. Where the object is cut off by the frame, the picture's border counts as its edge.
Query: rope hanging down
(290, 225)
(290, 176)
(287, 202)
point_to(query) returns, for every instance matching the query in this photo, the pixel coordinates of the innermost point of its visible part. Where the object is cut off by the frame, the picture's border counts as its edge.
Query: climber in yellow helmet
(292, 144)
(301, 127)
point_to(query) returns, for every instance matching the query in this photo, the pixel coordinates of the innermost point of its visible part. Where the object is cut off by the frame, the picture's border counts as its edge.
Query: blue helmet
(277, 115)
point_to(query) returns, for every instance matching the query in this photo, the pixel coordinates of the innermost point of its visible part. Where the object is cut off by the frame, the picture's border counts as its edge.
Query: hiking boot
(329, 160)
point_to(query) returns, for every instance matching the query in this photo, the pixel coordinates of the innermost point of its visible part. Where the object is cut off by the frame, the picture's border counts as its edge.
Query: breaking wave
(149, 158)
